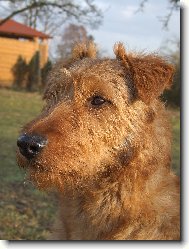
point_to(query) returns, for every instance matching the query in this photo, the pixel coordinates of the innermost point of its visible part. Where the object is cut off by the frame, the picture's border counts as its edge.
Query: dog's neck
(92, 213)
(99, 214)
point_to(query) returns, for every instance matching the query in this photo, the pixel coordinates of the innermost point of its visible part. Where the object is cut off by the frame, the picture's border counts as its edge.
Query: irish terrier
(104, 143)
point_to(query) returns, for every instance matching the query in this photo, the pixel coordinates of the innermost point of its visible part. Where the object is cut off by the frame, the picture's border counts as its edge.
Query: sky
(138, 31)
(141, 31)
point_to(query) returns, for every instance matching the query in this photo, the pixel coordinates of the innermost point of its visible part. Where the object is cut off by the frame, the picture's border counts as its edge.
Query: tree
(19, 71)
(29, 76)
(44, 72)
(174, 5)
(172, 96)
(52, 14)
(34, 73)
(72, 34)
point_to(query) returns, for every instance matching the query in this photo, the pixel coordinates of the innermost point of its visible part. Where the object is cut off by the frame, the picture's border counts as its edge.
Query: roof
(11, 27)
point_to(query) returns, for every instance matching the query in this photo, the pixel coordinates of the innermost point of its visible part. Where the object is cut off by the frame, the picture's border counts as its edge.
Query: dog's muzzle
(31, 145)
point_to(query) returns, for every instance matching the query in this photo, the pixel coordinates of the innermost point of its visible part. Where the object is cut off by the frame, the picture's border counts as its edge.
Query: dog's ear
(150, 74)
(84, 50)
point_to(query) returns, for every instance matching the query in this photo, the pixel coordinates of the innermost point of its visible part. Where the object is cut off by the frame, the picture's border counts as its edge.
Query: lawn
(26, 213)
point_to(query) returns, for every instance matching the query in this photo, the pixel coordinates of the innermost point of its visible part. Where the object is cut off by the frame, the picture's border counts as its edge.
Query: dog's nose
(31, 145)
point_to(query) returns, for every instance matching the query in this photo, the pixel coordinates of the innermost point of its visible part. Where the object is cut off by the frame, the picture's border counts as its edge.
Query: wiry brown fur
(110, 164)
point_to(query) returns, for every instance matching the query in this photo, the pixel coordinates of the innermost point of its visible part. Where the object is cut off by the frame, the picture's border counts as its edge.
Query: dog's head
(100, 114)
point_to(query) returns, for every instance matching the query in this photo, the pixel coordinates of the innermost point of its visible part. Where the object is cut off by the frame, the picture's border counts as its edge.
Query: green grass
(26, 213)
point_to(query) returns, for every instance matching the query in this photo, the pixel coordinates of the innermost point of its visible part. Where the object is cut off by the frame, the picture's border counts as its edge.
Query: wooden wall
(10, 49)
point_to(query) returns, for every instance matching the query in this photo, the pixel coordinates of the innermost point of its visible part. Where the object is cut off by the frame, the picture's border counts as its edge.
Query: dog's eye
(97, 101)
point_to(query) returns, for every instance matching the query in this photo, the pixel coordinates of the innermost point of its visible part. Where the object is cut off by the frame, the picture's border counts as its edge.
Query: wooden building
(16, 40)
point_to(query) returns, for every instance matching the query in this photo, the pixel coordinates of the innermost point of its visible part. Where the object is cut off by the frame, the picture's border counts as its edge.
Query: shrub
(44, 72)
(34, 73)
(172, 96)
(20, 70)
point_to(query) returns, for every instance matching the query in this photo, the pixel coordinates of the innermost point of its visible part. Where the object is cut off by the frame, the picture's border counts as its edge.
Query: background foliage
(30, 77)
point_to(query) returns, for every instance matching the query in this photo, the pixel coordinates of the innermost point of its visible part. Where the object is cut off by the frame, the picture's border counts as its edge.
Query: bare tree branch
(174, 5)
(16, 12)
(165, 20)
(141, 6)
(84, 11)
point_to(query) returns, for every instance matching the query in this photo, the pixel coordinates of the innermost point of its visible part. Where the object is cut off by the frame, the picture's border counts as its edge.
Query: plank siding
(11, 49)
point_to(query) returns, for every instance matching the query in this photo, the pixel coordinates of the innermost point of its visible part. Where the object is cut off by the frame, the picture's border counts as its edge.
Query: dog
(103, 142)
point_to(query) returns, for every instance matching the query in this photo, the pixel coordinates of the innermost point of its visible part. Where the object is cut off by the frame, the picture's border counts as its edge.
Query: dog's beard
(63, 180)
(73, 173)
(76, 175)
(70, 177)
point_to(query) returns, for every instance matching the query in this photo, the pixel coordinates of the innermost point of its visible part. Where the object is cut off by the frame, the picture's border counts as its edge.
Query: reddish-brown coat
(111, 165)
